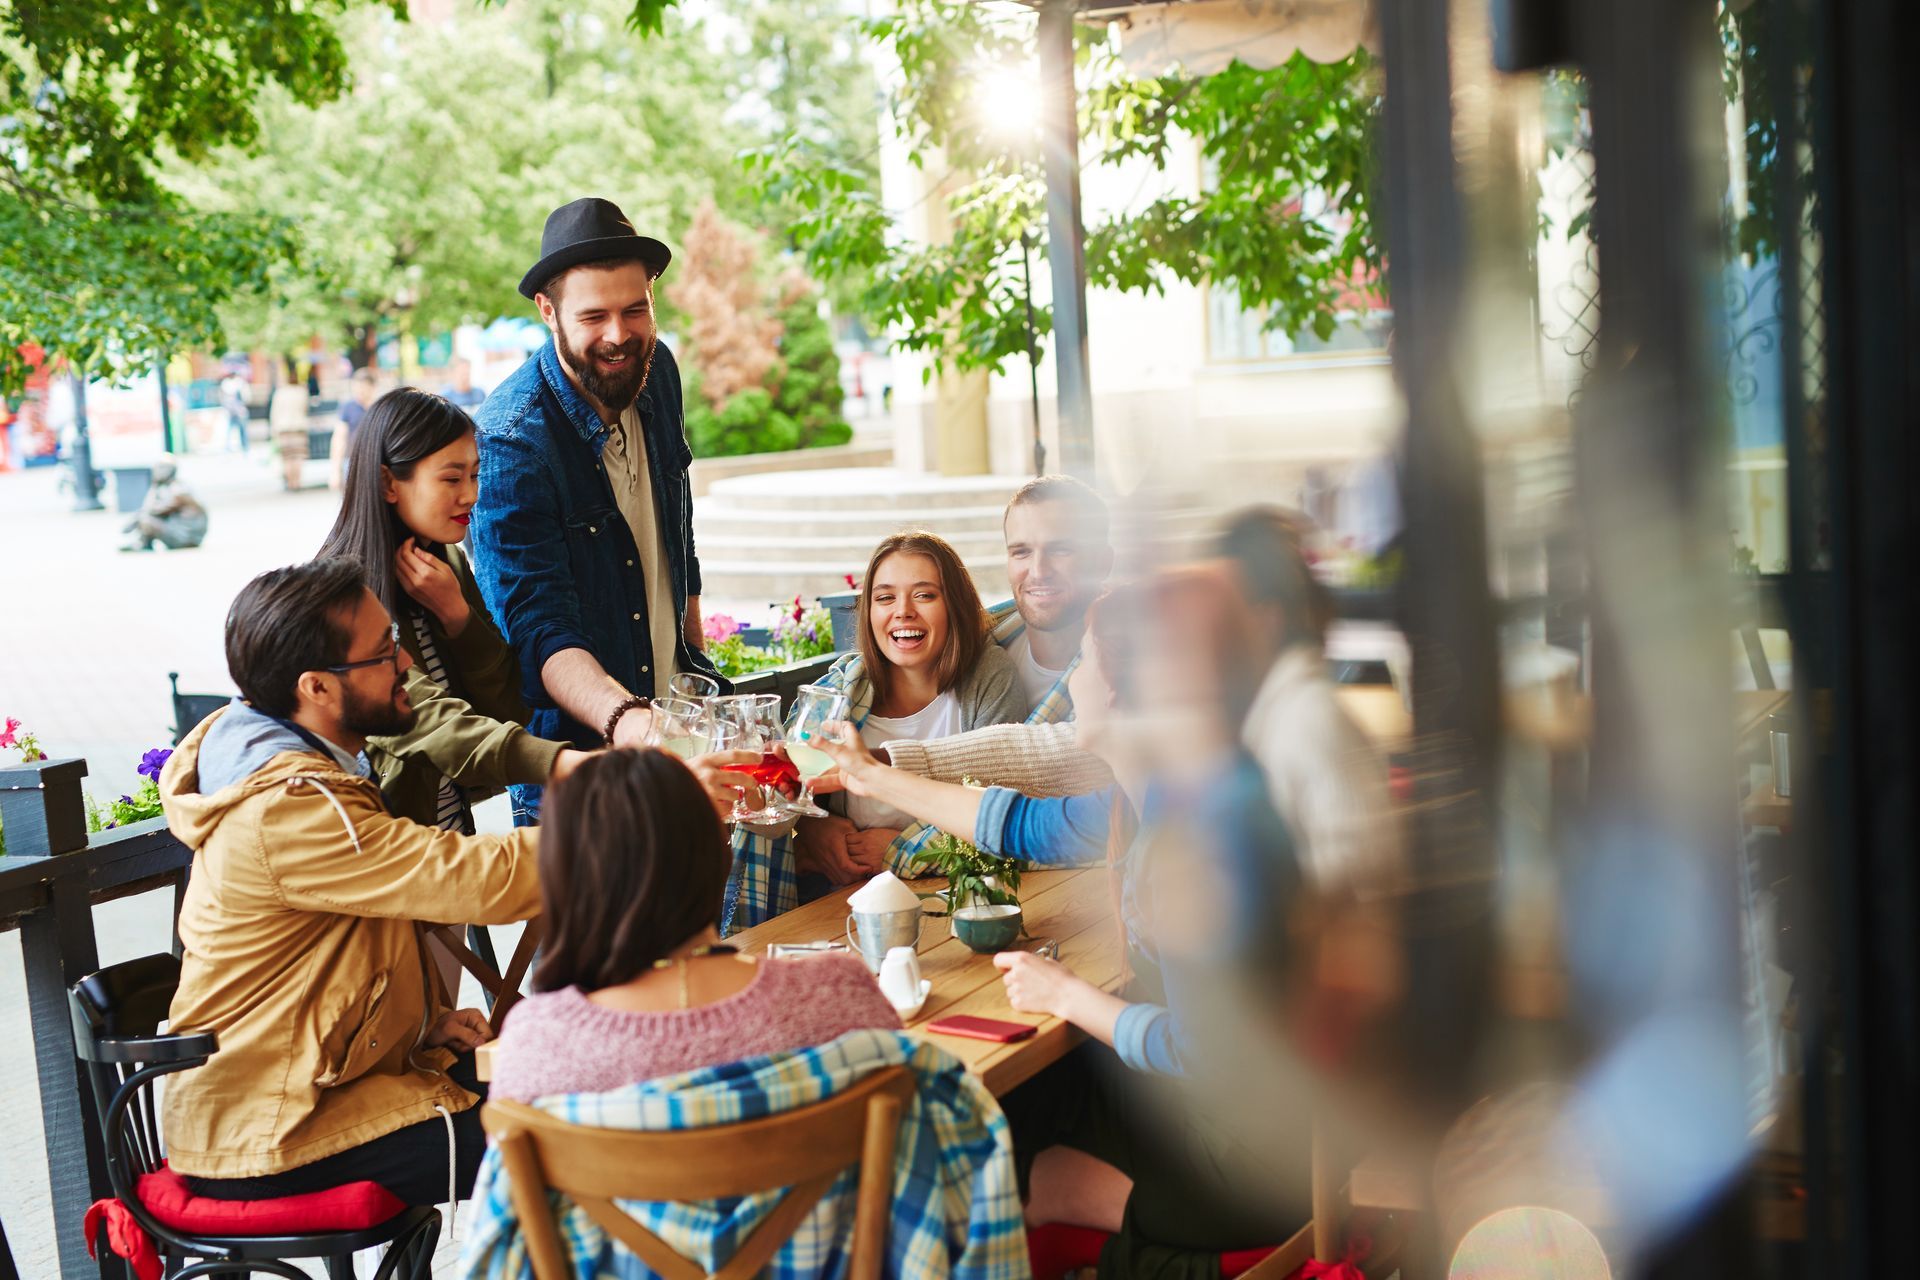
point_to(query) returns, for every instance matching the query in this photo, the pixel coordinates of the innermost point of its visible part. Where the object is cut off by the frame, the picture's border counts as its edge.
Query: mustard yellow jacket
(303, 956)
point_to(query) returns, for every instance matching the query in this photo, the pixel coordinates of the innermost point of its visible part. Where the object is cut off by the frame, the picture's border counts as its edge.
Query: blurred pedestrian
(362, 387)
(461, 390)
(233, 398)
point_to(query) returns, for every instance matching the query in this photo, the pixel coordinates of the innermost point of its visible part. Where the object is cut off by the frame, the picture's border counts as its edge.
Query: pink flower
(11, 735)
(799, 610)
(719, 626)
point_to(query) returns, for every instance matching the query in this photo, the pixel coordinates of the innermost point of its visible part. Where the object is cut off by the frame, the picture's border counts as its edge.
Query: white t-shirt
(935, 720)
(625, 456)
(1035, 680)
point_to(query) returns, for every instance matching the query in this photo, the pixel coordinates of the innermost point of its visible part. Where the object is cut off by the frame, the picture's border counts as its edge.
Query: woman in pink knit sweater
(633, 982)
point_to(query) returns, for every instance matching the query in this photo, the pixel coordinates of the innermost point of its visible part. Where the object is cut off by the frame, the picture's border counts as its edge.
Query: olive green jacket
(473, 731)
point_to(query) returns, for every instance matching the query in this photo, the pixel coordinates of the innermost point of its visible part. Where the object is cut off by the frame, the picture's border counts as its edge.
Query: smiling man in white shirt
(1058, 559)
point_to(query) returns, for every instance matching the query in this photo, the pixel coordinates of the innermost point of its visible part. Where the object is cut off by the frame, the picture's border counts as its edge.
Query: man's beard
(377, 719)
(614, 390)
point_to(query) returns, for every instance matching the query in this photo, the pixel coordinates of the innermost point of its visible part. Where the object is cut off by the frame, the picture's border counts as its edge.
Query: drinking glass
(693, 687)
(814, 707)
(681, 728)
(755, 718)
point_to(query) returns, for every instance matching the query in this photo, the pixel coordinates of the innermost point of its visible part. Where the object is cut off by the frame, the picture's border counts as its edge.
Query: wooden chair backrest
(503, 987)
(805, 1150)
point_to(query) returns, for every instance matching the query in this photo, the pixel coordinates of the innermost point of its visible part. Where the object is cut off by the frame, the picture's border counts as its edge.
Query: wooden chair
(503, 989)
(805, 1150)
(1324, 1239)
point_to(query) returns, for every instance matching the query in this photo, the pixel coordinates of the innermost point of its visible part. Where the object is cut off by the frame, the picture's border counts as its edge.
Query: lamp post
(86, 484)
(166, 412)
(1033, 356)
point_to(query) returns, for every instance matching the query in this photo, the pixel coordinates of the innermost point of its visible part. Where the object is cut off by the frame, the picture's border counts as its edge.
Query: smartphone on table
(964, 1024)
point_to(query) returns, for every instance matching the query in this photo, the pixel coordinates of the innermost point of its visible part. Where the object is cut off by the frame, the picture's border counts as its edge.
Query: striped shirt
(451, 811)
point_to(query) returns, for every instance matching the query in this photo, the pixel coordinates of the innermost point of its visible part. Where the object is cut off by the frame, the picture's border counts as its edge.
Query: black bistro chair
(117, 1013)
(189, 709)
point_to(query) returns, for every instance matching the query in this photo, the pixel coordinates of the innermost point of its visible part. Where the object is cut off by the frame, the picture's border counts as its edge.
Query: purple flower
(151, 764)
(126, 800)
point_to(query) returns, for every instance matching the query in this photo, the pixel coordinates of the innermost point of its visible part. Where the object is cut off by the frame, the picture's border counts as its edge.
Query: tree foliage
(103, 266)
(731, 335)
(421, 203)
(762, 374)
(1284, 213)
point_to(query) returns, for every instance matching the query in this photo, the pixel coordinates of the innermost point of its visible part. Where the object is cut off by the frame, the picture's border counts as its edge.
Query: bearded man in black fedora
(582, 541)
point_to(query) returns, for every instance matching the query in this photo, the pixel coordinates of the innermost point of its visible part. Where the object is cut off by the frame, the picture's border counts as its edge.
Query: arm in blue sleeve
(519, 554)
(1051, 831)
(1145, 1038)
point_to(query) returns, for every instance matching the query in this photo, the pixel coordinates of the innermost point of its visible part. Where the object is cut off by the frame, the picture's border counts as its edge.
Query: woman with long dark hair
(410, 489)
(633, 982)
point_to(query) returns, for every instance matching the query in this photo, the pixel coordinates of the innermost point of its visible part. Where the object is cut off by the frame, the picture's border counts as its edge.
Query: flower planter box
(42, 808)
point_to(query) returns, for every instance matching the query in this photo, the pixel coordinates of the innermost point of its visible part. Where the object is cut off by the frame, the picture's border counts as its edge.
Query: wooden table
(1071, 906)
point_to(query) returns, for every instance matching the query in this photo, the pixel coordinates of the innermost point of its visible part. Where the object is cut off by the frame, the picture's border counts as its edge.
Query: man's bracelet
(613, 721)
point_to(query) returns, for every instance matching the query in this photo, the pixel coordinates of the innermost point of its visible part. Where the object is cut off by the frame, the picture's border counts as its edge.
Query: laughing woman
(925, 668)
(411, 486)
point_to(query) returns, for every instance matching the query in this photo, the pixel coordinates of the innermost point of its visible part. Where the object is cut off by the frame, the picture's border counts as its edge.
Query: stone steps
(872, 524)
(776, 546)
(745, 587)
(769, 536)
(858, 488)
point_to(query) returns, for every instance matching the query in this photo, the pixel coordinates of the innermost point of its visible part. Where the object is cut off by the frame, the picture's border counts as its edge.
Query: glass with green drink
(815, 706)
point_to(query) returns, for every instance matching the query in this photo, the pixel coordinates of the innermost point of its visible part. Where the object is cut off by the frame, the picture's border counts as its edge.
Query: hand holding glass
(814, 708)
(756, 720)
(681, 728)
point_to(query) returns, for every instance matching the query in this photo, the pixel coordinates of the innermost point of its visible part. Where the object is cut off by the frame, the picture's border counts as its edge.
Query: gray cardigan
(988, 694)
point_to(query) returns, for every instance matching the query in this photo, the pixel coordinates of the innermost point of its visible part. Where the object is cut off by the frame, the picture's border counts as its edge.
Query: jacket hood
(235, 753)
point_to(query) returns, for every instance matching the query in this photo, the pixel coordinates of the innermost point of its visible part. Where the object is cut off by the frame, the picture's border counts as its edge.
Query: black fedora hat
(590, 230)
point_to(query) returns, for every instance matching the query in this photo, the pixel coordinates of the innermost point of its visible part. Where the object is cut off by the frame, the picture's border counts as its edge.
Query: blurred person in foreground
(340, 1057)
(1111, 1136)
(169, 514)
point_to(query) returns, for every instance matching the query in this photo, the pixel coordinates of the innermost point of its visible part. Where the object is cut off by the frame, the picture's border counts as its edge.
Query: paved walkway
(90, 634)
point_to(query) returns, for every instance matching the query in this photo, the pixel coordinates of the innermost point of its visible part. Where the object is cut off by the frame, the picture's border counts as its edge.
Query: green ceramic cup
(988, 929)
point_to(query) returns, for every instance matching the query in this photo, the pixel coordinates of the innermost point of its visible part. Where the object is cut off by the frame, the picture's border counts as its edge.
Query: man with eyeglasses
(340, 1057)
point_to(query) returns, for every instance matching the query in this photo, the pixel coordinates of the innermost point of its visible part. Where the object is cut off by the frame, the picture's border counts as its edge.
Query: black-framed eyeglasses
(392, 658)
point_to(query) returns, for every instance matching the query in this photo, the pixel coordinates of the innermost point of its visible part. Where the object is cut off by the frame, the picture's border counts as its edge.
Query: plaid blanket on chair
(956, 1206)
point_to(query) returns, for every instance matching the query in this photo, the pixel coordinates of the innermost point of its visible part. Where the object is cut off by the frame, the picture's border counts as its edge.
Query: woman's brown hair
(633, 862)
(966, 616)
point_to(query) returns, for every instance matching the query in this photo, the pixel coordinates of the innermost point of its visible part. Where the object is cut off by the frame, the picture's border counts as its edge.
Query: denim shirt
(554, 559)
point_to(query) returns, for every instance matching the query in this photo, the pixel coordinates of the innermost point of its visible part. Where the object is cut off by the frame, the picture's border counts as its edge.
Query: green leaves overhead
(103, 265)
(1281, 207)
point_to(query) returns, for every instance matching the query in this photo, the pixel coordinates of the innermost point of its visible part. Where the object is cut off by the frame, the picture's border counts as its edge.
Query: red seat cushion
(354, 1206)
(1058, 1248)
(1242, 1260)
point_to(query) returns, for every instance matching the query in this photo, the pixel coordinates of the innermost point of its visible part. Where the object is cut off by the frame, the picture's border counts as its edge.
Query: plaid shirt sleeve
(1055, 707)
(764, 881)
